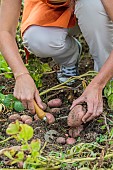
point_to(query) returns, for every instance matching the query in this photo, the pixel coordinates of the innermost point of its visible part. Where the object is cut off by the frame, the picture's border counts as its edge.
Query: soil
(91, 129)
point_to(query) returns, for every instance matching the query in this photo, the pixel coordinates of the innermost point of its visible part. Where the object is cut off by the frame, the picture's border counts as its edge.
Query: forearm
(108, 5)
(9, 49)
(105, 74)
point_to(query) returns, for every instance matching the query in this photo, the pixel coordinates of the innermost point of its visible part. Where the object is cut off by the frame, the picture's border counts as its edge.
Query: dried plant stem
(59, 86)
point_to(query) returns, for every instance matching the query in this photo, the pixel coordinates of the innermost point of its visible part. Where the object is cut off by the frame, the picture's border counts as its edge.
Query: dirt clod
(61, 140)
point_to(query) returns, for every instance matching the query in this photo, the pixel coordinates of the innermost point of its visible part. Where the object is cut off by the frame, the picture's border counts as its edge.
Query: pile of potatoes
(74, 119)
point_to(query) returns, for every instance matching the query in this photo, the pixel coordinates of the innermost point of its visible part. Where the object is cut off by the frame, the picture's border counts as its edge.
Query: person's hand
(25, 90)
(92, 96)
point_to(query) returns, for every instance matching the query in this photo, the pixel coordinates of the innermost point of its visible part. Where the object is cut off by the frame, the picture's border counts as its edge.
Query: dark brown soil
(91, 130)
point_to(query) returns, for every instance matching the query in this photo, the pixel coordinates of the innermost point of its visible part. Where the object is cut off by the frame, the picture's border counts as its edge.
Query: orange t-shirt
(42, 13)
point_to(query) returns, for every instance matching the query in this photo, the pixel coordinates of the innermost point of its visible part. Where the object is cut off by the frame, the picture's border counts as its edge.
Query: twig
(64, 117)
(2, 74)
(15, 148)
(107, 126)
(90, 73)
(110, 120)
(3, 120)
(5, 140)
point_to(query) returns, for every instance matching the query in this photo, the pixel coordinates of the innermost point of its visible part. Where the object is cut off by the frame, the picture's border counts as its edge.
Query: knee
(42, 43)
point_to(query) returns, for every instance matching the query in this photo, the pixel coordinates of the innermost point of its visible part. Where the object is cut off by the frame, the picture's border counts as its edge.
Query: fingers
(24, 103)
(77, 101)
(31, 106)
(97, 110)
(89, 111)
(38, 99)
(27, 102)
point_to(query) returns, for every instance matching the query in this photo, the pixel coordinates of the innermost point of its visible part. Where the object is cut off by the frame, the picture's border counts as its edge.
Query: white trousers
(96, 26)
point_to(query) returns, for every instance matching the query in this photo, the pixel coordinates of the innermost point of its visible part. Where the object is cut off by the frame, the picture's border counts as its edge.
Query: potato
(36, 117)
(75, 116)
(25, 117)
(70, 141)
(20, 164)
(55, 103)
(50, 118)
(75, 132)
(14, 117)
(61, 140)
(55, 110)
(44, 106)
(28, 121)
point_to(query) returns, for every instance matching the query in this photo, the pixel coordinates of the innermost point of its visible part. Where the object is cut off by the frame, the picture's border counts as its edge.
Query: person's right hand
(25, 90)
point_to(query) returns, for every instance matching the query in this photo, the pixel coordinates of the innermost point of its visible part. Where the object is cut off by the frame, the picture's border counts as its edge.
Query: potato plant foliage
(30, 152)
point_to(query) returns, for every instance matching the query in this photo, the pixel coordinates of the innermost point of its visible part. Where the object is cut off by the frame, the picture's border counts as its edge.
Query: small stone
(50, 118)
(28, 121)
(14, 117)
(55, 110)
(55, 103)
(36, 117)
(70, 141)
(25, 117)
(61, 140)
(75, 132)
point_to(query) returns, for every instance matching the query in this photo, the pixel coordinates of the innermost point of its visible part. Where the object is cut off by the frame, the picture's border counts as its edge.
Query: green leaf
(108, 90)
(110, 101)
(8, 154)
(8, 76)
(13, 128)
(36, 145)
(2, 97)
(26, 132)
(46, 67)
(20, 155)
(25, 147)
(8, 101)
(1, 88)
(18, 106)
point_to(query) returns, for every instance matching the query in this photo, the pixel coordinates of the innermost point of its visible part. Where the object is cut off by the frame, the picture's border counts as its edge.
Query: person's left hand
(92, 96)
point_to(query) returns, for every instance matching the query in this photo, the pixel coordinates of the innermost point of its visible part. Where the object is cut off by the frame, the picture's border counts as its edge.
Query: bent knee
(44, 41)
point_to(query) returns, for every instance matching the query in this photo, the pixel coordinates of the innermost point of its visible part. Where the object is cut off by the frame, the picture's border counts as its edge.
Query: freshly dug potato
(25, 117)
(14, 117)
(36, 117)
(28, 121)
(44, 106)
(75, 116)
(55, 103)
(61, 140)
(55, 110)
(75, 132)
(50, 118)
(70, 141)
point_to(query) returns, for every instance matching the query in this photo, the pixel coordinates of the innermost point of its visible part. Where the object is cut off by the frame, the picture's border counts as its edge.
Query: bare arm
(93, 92)
(9, 14)
(108, 5)
(25, 89)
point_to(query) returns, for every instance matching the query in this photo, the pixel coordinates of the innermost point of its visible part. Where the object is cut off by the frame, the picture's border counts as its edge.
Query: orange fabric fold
(43, 13)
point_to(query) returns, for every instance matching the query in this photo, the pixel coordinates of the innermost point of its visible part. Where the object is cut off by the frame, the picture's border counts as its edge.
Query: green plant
(32, 156)
(108, 93)
(4, 68)
(10, 102)
(36, 69)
